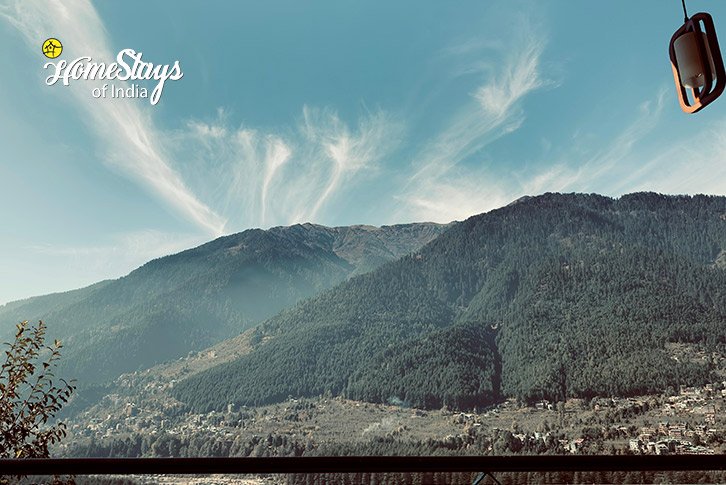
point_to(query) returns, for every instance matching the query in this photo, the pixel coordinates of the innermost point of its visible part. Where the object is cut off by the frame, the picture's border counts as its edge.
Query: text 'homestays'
(128, 67)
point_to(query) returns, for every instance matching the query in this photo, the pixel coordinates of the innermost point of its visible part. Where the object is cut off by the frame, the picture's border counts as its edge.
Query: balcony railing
(364, 464)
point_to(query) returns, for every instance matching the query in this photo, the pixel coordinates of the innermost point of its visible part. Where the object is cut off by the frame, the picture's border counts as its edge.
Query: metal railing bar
(357, 464)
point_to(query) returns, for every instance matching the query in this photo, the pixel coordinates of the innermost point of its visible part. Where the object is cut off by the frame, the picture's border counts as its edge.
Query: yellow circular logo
(52, 48)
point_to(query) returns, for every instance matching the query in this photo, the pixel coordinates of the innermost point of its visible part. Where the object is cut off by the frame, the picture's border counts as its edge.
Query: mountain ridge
(569, 268)
(200, 296)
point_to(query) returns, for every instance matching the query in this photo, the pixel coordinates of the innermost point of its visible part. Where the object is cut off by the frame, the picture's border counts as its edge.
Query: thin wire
(685, 14)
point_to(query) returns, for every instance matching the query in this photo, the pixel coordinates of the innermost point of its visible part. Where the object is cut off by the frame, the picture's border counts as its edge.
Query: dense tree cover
(207, 444)
(557, 296)
(506, 478)
(199, 297)
(456, 367)
(77, 480)
(164, 445)
(273, 445)
(599, 327)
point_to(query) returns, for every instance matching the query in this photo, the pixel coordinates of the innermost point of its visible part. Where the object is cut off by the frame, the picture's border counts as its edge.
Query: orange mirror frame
(702, 97)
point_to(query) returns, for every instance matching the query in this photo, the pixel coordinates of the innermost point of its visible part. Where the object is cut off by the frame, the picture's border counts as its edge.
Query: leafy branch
(29, 399)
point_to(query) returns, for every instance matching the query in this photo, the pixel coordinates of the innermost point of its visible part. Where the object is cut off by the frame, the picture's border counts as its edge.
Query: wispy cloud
(639, 158)
(457, 198)
(520, 76)
(694, 166)
(127, 132)
(123, 251)
(290, 176)
(49, 266)
(440, 188)
(612, 169)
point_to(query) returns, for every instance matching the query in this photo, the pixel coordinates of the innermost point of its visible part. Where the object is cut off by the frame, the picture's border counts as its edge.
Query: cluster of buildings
(129, 421)
(691, 414)
(573, 446)
(669, 438)
(669, 446)
(673, 438)
(695, 400)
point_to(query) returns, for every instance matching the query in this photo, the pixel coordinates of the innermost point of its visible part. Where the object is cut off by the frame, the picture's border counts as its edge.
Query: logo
(52, 48)
(129, 66)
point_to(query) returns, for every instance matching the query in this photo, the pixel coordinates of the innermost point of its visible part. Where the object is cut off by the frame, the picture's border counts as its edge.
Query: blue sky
(334, 112)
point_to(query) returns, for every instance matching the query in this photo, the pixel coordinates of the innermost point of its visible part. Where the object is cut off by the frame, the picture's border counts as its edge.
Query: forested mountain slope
(555, 296)
(196, 298)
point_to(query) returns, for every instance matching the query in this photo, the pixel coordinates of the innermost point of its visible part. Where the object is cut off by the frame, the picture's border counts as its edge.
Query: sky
(333, 112)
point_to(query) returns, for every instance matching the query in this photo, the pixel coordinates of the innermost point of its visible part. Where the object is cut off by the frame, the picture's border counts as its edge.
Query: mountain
(556, 296)
(196, 298)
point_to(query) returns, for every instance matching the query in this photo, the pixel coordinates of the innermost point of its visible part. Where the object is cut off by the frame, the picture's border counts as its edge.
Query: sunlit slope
(196, 298)
(555, 296)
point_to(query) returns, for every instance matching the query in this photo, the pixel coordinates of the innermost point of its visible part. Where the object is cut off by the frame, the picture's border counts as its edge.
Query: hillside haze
(553, 297)
(196, 298)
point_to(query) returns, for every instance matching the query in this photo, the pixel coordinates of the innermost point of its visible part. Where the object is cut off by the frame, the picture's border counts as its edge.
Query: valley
(143, 419)
(559, 324)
